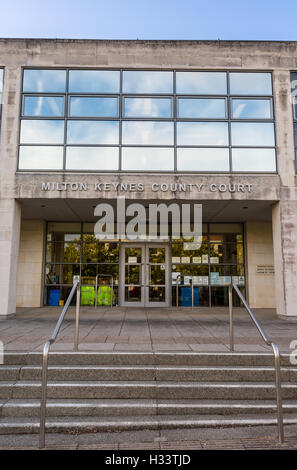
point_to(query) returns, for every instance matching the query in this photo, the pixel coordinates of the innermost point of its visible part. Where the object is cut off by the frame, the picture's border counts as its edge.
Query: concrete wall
(259, 253)
(30, 264)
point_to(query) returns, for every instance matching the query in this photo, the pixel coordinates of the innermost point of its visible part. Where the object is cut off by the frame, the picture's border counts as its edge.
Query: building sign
(265, 269)
(154, 187)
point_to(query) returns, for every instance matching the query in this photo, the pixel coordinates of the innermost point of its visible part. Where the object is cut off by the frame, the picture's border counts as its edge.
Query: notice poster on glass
(241, 281)
(187, 280)
(235, 280)
(174, 277)
(132, 259)
(214, 260)
(204, 259)
(214, 279)
(185, 259)
(196, 259)
(175, 259)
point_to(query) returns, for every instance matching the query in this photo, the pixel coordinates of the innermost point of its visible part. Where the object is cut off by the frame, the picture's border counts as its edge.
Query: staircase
(89, 392)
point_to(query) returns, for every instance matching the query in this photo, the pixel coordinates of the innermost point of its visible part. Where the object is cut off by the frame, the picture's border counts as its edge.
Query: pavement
(140, 329)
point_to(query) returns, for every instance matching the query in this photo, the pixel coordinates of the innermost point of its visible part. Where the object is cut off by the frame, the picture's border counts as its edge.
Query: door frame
(144, 275)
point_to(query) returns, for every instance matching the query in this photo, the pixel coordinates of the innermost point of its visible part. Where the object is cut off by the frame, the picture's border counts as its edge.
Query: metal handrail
(270, 343)
(46, 350)
(111, 284)
(178, 279)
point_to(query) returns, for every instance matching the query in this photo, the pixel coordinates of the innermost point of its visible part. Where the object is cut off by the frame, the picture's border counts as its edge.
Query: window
(147, 120)
(294, 101)
(1, 90)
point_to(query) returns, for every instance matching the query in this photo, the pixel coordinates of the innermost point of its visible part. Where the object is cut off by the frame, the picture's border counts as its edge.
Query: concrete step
(138, 358)
(160, 373)
(138, 407)
(148, 389)
(113, 424)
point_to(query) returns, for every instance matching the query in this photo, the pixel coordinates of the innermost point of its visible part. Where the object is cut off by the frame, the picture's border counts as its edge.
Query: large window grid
(114, 150)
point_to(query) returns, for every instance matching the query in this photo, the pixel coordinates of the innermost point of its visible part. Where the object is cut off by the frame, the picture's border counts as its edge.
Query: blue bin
(54, 297)
(186, 296)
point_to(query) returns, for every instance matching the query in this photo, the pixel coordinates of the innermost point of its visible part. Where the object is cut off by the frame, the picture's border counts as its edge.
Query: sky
(150, 19)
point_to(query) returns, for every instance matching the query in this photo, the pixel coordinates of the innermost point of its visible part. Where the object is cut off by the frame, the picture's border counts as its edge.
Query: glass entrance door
(144, 275)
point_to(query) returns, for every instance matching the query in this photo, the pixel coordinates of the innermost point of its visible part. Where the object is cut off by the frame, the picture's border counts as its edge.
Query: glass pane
(60, 231)
(143, 158)
(60, 252)
(132, 294)
(202, 159)
(41, 158)
(133, 255)
(157, 294)
(133, 274)
(42, 132)
(94, 81)
(201, 83)
(157, 275)
(157, 255)
(251, 109)
(92, 158)
(147, 107)
(181, 255)
(231, 229)
(253, 160)
(95, 252)
(93, 107)
(201, 108)
(229, 253)
(44, 81)
(202, 133)
(148, 133)
(43, 106)
(92, 132)
(256, 134)
(1, 80)
(250, 83)
(90, 271)
(147, 82)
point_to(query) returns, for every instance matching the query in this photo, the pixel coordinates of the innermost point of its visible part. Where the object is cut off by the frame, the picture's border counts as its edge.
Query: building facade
(158, 122)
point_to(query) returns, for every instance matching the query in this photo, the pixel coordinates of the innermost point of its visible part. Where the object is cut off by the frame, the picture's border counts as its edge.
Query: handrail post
(77, 317)
(279, 401)
(231, 331)
(177, 281)
(43, 394)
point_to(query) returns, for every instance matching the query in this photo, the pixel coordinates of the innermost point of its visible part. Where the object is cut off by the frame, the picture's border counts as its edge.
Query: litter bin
(54, 297)
(186, 296)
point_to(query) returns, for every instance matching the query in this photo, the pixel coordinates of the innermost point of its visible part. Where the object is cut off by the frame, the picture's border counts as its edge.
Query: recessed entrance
(144, 277)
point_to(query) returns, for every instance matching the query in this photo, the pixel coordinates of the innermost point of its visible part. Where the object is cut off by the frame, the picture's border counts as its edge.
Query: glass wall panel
(250, 83)
(44, 106)
(42, 132)
(202, 133)
(147, 133)
(251, 109)
(147, 81)
(148, 107)
(146, 158)
(1, 80)
(94, 81)
(40, 158)
(253, 160)
(252, 134)
(92, 158)
(202, 159)
(202, 108)
(44, 81)
(93, 132)
(201, 83)
(93, 106)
